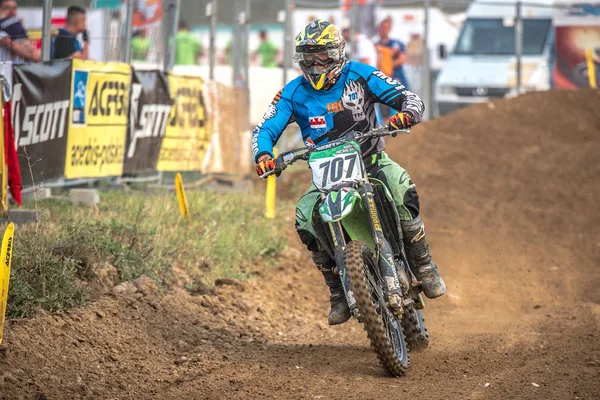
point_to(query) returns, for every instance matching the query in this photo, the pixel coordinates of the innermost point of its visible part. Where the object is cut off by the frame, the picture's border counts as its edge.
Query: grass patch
(137, 234)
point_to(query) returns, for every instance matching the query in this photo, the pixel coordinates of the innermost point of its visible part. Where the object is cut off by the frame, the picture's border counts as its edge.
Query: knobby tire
(357, 258)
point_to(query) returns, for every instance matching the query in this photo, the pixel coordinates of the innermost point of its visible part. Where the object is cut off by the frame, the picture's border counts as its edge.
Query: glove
(401, 120)
(85, 36)
(265, 164)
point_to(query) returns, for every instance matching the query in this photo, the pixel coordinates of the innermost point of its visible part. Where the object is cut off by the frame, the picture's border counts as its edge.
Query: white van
(483, 63)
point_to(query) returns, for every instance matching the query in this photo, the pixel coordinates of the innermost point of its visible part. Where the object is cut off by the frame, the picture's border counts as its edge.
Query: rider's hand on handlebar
(265, 165)
(401, 120)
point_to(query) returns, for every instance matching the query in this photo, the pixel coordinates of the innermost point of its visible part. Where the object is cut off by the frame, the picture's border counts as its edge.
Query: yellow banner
(186, 137)
(98, 119)
(3, 167)
(5, 261)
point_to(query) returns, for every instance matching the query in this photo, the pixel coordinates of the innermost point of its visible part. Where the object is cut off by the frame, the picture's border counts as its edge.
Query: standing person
(140, 45)
(392, 48)
(333, 96)
(65, 43)
(267, 51)
(188, 48)
(14, 37)
(414, 50)
(364, 50)
(366, 15)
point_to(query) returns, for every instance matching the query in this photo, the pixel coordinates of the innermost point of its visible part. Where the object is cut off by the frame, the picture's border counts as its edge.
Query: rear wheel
(383, 329)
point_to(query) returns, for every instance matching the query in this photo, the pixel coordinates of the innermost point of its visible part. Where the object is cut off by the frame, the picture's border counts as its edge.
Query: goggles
(324, 57)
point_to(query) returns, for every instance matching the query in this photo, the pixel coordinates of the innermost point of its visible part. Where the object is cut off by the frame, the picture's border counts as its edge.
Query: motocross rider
(335, 95)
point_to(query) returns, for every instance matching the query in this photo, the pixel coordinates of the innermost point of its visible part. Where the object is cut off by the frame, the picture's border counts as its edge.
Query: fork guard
(338, 204)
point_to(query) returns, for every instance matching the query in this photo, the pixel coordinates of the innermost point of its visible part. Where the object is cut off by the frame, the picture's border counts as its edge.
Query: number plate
(332, 167)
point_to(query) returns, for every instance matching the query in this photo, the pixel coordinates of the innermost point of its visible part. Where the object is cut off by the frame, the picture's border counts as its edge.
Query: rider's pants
(379, 166)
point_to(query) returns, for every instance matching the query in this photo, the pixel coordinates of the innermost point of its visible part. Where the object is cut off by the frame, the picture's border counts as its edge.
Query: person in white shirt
(10, 48)
(364, 50)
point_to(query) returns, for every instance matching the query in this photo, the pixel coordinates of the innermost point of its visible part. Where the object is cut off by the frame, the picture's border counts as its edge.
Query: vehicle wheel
(383, 329)
(415, 329)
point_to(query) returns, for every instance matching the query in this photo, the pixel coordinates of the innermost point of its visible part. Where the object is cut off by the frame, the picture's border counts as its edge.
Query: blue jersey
(325, 115)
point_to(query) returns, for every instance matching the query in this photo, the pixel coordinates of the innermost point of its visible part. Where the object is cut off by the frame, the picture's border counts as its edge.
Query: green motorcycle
(357, 222)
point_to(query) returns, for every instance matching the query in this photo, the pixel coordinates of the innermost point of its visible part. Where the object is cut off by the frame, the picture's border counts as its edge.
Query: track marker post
(591, 67)
(6, 259)
(271, 194)
(181, 198)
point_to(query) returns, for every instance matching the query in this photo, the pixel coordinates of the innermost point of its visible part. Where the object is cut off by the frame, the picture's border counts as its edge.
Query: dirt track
(509, 196)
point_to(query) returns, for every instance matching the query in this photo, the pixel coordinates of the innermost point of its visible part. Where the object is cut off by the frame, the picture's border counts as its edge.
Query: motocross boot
(419, 258)
(340, 312)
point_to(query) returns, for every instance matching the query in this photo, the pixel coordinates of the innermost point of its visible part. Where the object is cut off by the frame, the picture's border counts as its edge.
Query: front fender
(338, 204)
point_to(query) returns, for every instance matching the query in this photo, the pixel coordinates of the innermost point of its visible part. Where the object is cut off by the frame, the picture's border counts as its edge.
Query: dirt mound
(524, 168)
(508, 193)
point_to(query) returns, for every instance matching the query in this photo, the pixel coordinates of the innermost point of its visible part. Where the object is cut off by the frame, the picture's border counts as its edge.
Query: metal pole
(246, 52)
(353, 20)
(236, 45)
(240, 44)
(211, 11)
(166, 34)
(287, 41)
(176, 7)
(518, 44)
(426, 67)
(46, 24)
(126, 51)
(170, 34)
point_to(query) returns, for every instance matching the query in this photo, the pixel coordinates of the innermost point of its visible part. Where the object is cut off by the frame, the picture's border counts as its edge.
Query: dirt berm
(509, 193)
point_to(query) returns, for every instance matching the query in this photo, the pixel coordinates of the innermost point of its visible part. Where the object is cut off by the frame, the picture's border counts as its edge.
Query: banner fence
(82, 119)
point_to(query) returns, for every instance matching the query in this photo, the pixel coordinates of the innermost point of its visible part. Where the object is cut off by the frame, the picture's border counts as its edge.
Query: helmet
(320, 53)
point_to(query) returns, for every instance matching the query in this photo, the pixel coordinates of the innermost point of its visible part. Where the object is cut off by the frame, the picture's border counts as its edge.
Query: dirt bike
(357, 222)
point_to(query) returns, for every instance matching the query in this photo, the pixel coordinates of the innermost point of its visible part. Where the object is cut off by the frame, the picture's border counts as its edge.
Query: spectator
(392, 52)
(65, 43)
(267, 51)
(364, 50)
(140, 45)
(13, 37)
(228, 52)
(188, 48)
(414, 50)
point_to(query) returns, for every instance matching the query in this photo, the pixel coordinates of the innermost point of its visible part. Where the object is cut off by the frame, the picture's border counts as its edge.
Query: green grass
(225, 236)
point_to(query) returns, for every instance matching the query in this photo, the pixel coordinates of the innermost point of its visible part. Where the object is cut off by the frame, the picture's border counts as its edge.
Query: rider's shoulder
(360, 69)
(292, 86)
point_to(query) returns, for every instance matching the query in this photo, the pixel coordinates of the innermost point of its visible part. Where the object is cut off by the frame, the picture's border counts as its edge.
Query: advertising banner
(577, 31)
(149, 114)
(98, 119)
(40, 111)
(186, 138)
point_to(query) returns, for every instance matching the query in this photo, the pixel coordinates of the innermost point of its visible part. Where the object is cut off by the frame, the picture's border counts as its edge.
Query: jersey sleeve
(279, 115)
(392, 93)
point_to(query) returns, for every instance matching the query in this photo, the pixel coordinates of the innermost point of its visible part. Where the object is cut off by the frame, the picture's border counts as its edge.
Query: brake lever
(267, 174)
(280, 164)
(395, 132)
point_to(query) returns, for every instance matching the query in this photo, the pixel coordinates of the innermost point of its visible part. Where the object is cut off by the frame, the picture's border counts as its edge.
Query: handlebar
(303, 153)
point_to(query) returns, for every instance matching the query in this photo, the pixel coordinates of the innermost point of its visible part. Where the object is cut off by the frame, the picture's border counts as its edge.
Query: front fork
(384, 256)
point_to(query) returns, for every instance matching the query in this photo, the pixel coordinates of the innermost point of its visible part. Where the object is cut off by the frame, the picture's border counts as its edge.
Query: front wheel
(383, 329)
(415, 329)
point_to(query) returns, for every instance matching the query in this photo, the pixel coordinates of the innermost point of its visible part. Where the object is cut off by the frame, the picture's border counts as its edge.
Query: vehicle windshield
(486, 36)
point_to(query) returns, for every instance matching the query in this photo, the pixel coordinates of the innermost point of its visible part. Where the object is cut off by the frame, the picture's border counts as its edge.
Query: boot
(419, 258)
(340, 312)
